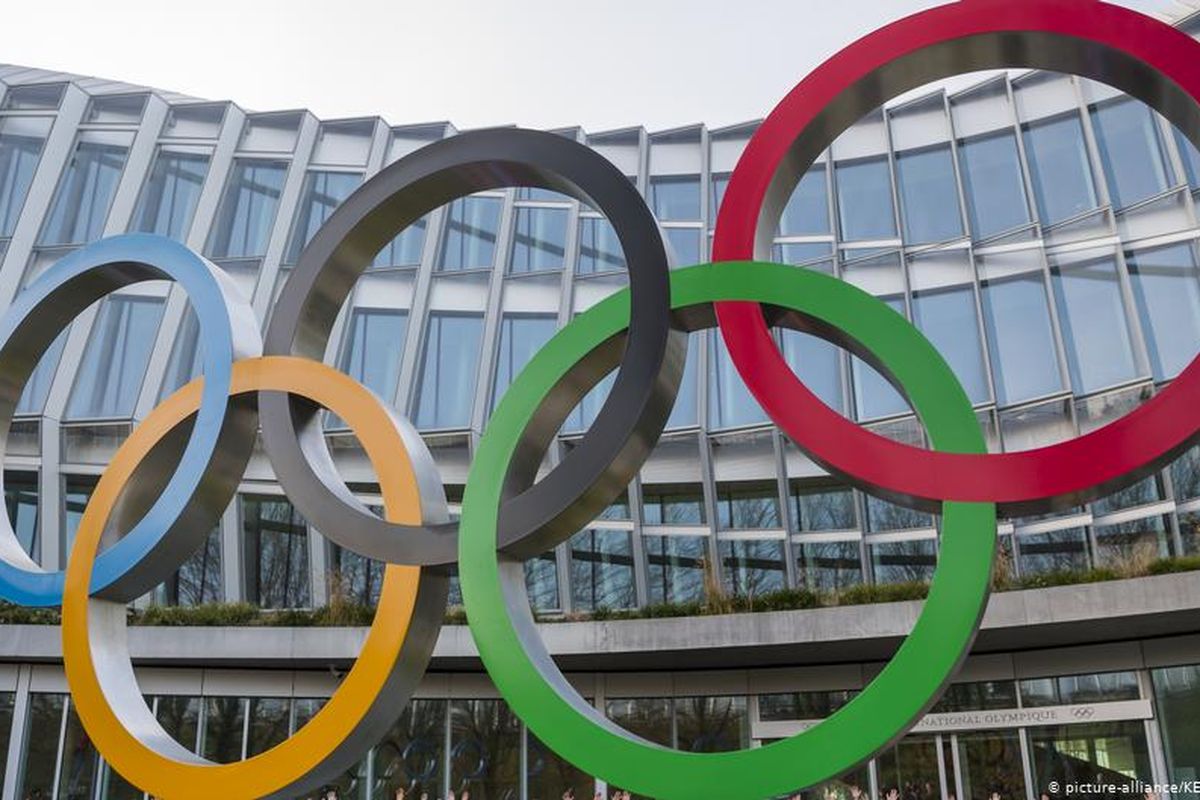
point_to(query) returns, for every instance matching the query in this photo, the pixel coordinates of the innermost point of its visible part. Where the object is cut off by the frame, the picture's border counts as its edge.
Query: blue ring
(207, 293)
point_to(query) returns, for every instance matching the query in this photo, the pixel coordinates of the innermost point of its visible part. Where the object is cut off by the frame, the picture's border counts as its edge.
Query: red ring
(1144, 57)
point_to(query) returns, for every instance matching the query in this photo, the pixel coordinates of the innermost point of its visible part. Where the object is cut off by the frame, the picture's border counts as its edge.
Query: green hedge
(342, 614)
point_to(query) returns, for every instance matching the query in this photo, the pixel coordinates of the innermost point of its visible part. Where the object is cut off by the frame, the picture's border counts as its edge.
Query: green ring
(893, 702)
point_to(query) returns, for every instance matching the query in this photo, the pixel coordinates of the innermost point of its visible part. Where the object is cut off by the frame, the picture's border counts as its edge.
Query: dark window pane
(753, 567)
(276, 542)
(224, 723)
(711, 724)
(21, 502)
(541, 582)
(1108, 752)
(827, 566)
(411, 756)
(904, 562)
(371, 353)
(40, 758)
(485, 749)
(647, 717)
(823, 509)
(198, 579)
(753, 506)
(1054, 551)
(1177, 691)
(80, 761)
(672, 505)
(269, 720)
(180, 718)
(602, 570)
(675, 567)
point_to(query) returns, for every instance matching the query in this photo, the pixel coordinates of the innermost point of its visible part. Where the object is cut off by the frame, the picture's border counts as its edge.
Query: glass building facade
(1041, 230)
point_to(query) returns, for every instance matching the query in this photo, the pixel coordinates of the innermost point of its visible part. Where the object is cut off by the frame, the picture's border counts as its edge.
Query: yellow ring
(293, 759)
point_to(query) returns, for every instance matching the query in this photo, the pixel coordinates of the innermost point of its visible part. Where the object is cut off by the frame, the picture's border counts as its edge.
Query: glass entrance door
(990, 765)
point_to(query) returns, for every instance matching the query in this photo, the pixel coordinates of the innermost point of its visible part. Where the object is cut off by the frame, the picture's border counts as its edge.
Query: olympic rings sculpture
(168, 483)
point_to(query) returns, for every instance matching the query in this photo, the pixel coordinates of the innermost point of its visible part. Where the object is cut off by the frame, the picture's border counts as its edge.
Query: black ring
(591, 475)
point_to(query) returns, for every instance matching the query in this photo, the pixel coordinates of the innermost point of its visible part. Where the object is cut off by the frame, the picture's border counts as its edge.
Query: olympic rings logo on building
(180, 467)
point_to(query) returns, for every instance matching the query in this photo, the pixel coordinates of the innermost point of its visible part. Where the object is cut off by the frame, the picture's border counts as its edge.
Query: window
(354, 577)
(322, 193)
(1177, 692)
(801, 706)
(169, 198)
(823, 508)
(37, 97)
(21, 140)
(947, 318)
(539, 240)
(1131, 151)
(77, 491)
(224, 726)
(684, 245)
(520, 337)
(864, 199)
(37, 387)
(1094, 327)
(675, 198)
(371, 353)
(1166, 290)
(992, 183)
(405, 250)
(114, 363)
(1059, 168)
(469, 239)
(874, 397)
(448, 370)
(85, 193)
(541, 582)
(683, 413)
(730, 403)
(885, 516)
(268, 726)
(651, 718)
(275, 538)
(44, 722)
(711, 724)
(412, 754)
(1077, 689)
(1190, 158)
(753, 567)
(602, 570)
(907, 561)
(1020, 338)
(21, 502)
(180, 718)
(485, 749)
(1064, 550)
(748, 506)
(248, 209)
(675, 567)
(827, 566)
(585, 411)
(198, 579)
(672, 505)
(817, 363)
(599, 248)
(185, 355)
(928, 195)
(807, 210)
(720, 182)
